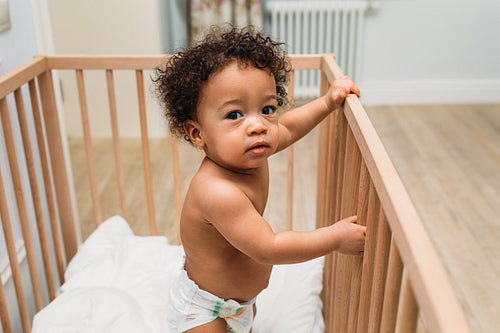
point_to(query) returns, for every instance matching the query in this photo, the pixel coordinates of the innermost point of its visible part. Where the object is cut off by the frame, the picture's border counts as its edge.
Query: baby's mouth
(259, 148)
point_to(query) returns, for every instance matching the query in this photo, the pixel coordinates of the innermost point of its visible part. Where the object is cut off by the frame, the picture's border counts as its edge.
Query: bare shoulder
(211, 191)
(219, 201)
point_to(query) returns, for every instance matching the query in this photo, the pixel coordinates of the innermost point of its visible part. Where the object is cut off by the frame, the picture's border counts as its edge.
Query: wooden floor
(447, 156)
(304, 209)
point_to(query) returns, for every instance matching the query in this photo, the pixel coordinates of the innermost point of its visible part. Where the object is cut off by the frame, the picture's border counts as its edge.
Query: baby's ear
(192, 129)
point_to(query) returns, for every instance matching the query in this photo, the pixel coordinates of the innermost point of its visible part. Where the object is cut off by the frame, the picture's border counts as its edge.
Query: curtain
(204, 13)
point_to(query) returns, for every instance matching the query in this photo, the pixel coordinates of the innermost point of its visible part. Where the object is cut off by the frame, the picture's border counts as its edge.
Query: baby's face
(237, 117)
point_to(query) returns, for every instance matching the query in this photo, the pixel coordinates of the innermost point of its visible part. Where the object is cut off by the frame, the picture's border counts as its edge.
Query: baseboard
(430, 92)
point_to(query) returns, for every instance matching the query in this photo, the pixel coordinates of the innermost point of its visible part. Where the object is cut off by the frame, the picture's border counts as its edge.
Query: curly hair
(179, 82)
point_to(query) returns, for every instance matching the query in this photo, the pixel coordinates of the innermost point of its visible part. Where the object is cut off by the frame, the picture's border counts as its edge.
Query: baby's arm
(235, 217)
(296, 123)
(344, 236)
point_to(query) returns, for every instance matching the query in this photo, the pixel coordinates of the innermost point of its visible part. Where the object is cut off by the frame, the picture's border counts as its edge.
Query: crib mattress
(119, 282)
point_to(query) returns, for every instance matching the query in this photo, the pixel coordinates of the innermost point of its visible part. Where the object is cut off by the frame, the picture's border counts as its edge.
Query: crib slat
(290, 160)
(21, 206)
(336, 143)
(338, 174)
(4, 310)
(35, 193)
(322, 165)
(343, 270)
(321, 221)
(334, 154)
(428, 276)
(145, 150)
(379, 276)
(327, 152)
(116, 141)
(289, 187)
(325, 186)
(88, 146)
(357, 261)
(46, 180)
(350, 187)
(58, 163)
(368, 259)
(392, 290)
(409, 311)
(341, 137)
(14, 264)
(177, 184)
(322, 179)
(321, 190)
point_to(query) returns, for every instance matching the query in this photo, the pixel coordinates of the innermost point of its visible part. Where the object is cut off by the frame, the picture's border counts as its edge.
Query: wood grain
(448, 158)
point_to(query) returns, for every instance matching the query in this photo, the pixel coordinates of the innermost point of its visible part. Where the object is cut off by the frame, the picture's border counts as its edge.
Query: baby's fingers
(355, 90)
(347, 86)
(351, 219)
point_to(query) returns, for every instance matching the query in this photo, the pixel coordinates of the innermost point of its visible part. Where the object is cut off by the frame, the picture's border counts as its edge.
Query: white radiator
(310, 27)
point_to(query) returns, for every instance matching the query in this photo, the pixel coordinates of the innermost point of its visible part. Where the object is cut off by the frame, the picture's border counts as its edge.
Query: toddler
(222, 95)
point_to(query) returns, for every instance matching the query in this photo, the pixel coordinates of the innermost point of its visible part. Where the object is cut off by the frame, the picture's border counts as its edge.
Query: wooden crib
(398, 285)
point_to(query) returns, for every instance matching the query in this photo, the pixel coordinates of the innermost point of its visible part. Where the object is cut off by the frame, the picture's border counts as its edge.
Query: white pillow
(292, 303)
(114, 275)
(92, 309)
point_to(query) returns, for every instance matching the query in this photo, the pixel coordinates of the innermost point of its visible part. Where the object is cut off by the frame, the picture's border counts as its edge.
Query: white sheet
(118, 282)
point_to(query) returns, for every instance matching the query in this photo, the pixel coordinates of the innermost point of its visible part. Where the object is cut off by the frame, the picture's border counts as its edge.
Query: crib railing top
(426, 273)
(433, 291)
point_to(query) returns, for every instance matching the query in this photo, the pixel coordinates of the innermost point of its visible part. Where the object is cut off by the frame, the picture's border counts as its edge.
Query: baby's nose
(256, 126)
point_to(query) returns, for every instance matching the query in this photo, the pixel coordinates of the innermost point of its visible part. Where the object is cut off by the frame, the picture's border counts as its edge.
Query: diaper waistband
(220, 307)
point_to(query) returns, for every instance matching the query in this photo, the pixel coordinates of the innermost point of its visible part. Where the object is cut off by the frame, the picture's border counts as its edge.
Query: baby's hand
(339, 91)
(351, 236)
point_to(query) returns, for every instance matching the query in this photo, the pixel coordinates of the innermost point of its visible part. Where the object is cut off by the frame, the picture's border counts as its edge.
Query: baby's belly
(237, 277)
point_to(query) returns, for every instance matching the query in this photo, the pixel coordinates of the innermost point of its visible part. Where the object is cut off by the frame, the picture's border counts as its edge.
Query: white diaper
(192, 307)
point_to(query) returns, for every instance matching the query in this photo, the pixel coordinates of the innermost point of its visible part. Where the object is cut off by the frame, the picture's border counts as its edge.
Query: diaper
(190, 307)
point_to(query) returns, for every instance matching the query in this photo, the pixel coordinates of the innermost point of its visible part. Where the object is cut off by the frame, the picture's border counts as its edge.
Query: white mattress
(119, 282)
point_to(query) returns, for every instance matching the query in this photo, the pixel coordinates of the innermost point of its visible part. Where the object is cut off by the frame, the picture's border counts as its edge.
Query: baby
(222, 95)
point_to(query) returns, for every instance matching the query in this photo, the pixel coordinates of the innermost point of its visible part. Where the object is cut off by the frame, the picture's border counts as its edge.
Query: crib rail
(363, 295)
(355, 176)
(56, 189)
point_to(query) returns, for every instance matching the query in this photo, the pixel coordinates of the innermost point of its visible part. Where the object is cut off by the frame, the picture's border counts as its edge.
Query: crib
(398, 284)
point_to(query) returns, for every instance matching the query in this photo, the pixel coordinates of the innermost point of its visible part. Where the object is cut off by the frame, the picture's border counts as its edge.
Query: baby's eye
(234, 115)
(267, 110)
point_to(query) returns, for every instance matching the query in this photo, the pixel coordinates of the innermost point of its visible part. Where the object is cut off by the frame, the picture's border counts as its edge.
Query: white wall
(428, 51)
(415, 51)
(425, 51)
(107, 27)
(12, 52)
(427, 39)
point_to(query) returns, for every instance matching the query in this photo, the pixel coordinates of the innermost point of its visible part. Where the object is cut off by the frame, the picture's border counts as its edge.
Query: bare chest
(257, 190)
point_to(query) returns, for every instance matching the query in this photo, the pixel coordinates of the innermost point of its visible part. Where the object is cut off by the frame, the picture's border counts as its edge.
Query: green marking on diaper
(217, 308)
(239, 310)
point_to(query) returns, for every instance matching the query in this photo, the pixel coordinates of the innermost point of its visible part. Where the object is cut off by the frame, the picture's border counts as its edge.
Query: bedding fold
(119, 282)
